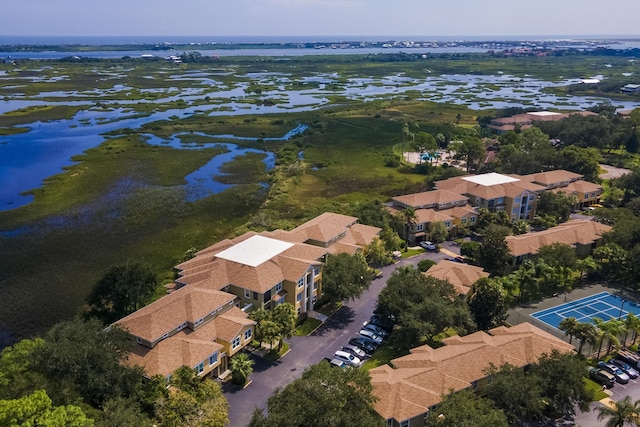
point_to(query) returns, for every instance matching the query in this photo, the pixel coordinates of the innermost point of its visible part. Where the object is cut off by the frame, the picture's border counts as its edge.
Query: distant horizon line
(338, 37)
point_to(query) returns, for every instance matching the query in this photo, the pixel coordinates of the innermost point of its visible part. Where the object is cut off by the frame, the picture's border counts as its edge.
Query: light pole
(621, 306)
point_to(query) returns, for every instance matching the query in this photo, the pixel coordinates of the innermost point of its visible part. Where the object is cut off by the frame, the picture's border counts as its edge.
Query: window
(529, 207)
(532, 197)
(447, 224)
(165, 335)
(420, 227)
(255, 295)
(181, 327)
(247, 334)
(198, 322)
(278, 287)
(501, 200)
(301, 282)
(316, 271)
(517, 200)
(390, 422)
(200, 368)
(235, 343)
(473, 219)
(514, 210)
(405, 423)
(247, 293)
(213, 359)
(299, 297)
(464, 220)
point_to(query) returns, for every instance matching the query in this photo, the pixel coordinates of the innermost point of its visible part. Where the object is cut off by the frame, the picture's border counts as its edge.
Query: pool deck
(521, 313)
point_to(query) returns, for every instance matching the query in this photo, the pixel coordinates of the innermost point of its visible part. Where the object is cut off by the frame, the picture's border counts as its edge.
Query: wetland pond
(27, 158)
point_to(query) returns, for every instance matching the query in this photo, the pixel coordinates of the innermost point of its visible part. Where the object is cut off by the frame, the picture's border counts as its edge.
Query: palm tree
(631, 323)
(410, 217)
(526, 278)
(284, 315)
(241, 368)
(585, 266)
(611, 330)
(585, 332)
(620, 412)
(568, 325)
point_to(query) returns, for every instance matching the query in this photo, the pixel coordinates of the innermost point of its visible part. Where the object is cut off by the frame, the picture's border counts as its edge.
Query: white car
(371, 336)
(348, 358)
(428, 246)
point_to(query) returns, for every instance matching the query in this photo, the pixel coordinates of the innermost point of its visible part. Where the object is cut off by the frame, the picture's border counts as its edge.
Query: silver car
(371, 336)
(358, 352)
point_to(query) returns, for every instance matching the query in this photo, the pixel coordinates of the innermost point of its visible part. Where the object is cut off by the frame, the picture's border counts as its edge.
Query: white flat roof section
(544, 113)
(255, 250)
(489, 179)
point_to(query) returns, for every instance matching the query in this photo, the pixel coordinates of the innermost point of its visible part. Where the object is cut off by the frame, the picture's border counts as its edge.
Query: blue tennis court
(603, 305)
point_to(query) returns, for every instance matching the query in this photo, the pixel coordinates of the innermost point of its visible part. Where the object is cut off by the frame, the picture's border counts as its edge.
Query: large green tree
(519, 395)
(466, 408)
(345, 276)
(122, 290)
(470, 150)
(19, 375)
(493, 254)
(556, 205)
(192, 402)
(562, 380)
(487, 302)
(422, 307)
(37, 410)
(322, 397)
(85, 361)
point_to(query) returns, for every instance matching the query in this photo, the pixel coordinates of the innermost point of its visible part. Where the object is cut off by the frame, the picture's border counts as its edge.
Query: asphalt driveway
(306, 351)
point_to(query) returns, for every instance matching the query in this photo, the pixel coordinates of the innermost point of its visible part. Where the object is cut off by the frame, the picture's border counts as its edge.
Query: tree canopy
(422, 307)
(487, 302)
(466, 408)
(345, 276)
(122, 290)
(322, 397)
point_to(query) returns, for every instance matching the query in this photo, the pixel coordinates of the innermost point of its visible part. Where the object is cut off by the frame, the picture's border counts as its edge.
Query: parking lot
(323, 343)
(617, 392)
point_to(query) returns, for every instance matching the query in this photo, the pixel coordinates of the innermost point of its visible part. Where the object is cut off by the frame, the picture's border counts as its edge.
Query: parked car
(621, 377)
(428, 246)
(630, 357)
(365, 344)
(338, 363)
(376, 330)
(348, 358)
(601, 376)
(356, 351)
(626, 368)
(371, 336)
(386, 324)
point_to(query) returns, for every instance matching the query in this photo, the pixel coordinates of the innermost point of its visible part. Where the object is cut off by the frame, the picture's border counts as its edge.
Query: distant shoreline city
(367, 40)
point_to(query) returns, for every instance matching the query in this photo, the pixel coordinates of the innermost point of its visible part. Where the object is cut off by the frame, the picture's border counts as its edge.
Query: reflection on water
(28, 158)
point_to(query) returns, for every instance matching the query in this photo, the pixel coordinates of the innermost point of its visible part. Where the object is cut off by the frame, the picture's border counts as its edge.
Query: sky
(318, 17)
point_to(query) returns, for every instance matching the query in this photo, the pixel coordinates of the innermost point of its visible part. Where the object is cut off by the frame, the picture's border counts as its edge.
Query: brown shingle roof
(461, 276)
(428, 199)
(552, 177)
(172, 353)
(424, 376)
(230, 323)
(326, 227)
(187, 304)
(582, 232)
(488, 192)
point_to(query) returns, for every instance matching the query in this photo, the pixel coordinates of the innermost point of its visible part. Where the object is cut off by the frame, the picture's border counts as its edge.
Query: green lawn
(308, 326)
(382, 356)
